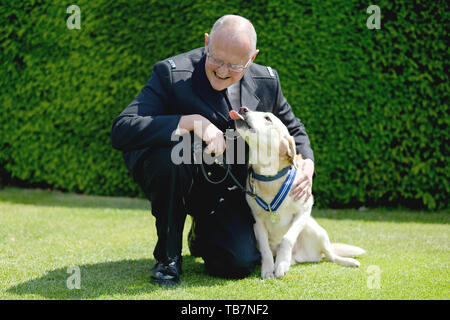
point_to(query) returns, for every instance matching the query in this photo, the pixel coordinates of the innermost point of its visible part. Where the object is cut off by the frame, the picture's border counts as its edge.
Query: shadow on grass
(110, 280)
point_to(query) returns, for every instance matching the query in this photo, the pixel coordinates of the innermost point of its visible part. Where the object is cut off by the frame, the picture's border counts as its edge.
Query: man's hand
(304, 184)
(213, 138)
(207, 131)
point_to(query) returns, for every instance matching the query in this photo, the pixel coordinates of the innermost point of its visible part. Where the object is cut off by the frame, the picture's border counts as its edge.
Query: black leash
(227, 168)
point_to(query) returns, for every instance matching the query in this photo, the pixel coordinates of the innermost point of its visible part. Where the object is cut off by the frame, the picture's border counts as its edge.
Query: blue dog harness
(282, 193)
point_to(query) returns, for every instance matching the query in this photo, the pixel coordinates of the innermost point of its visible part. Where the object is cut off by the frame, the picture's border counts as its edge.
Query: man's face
(231, 51)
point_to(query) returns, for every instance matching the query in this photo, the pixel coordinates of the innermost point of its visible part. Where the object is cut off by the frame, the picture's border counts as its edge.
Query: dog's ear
(287, 148)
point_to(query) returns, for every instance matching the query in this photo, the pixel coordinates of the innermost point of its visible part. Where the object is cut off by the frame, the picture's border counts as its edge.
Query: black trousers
(223, 220)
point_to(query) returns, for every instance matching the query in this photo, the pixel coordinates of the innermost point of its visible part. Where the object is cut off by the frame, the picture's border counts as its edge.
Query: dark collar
(280, 196)
(248, 89)
(260, 177)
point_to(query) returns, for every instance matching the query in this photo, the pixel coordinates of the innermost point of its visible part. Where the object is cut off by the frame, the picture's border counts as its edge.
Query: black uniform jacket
(179, 86)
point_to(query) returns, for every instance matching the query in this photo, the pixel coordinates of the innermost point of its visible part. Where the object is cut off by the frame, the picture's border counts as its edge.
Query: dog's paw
(267, 270)
(281, 269)
(267, 275)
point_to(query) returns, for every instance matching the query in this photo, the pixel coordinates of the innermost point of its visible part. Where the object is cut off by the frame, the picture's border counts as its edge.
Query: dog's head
(271, 146)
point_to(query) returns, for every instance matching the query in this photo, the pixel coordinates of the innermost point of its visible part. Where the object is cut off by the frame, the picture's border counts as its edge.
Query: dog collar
(269, 178)
(282, 193)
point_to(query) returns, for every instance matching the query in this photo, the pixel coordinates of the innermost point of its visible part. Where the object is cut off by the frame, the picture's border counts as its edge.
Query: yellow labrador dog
(284, 228)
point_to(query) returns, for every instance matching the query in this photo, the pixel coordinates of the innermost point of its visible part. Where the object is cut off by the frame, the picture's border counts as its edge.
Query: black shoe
(193, 243)
(167, 273)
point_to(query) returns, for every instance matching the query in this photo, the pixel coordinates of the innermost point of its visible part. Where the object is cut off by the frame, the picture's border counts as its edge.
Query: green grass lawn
(111, 241)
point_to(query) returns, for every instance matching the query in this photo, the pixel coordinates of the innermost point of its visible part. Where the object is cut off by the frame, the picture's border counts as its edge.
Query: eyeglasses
(233, 67)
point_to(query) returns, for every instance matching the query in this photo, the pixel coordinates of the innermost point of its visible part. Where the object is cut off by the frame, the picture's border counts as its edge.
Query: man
(193, 93)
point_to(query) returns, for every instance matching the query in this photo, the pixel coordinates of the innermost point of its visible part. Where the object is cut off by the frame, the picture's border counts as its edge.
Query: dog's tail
(346, 250)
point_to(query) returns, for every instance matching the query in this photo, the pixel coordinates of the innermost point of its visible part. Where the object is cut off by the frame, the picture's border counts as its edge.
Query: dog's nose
(243, 110)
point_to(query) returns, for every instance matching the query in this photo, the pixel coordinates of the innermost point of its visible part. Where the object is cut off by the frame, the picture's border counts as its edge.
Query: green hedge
(375, 102)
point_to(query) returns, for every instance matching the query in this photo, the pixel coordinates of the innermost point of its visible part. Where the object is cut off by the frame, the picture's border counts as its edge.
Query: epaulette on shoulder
(185, 61)
(172, 64)
(263, 72)
(180, 63)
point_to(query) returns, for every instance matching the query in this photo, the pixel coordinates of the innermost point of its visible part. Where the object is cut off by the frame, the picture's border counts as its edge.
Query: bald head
(235, 28)
(230, 50)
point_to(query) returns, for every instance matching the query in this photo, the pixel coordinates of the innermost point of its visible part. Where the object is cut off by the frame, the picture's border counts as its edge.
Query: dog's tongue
(235, 116)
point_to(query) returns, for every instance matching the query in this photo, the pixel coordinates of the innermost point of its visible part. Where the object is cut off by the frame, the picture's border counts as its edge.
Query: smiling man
(192, 93)
(235, 43)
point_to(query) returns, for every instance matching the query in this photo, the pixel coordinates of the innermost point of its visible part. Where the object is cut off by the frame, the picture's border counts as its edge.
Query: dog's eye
(268, 118)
